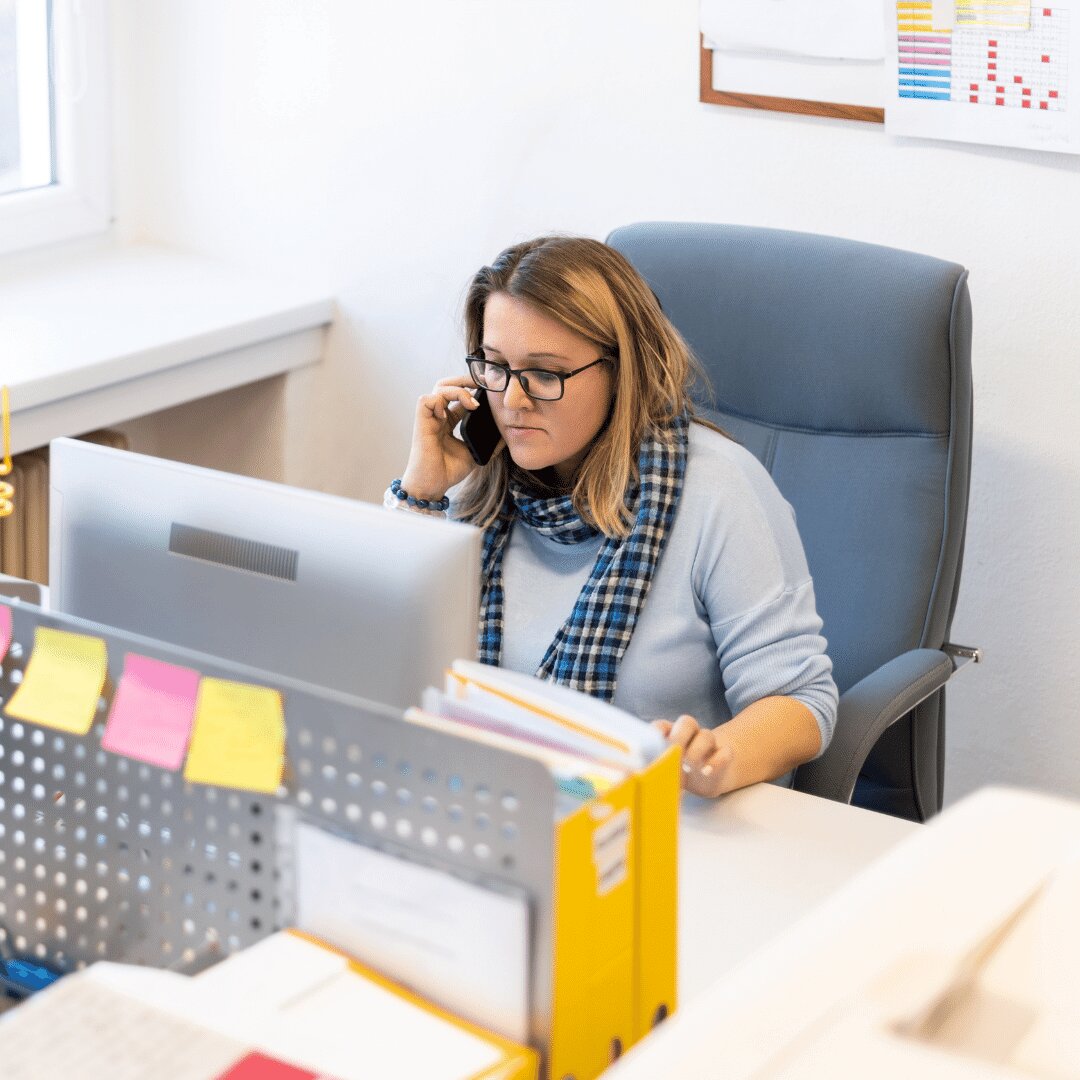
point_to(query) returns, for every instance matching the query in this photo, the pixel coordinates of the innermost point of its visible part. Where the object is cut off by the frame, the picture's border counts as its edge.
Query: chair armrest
(865, 711)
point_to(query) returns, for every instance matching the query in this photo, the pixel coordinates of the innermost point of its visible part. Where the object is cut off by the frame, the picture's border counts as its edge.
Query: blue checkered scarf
(589, 646)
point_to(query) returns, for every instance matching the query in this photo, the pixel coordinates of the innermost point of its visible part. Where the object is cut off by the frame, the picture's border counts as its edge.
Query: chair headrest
(852, 336)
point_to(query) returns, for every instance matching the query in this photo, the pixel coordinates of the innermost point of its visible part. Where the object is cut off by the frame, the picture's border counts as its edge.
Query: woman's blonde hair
(594, 291)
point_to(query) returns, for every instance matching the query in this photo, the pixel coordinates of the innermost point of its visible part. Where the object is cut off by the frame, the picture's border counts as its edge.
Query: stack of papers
(589, 745)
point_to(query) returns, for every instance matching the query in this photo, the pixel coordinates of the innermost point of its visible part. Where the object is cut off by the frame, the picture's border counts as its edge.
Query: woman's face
(545, 434)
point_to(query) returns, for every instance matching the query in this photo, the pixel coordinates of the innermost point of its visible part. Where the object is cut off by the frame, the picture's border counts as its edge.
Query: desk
(99, 337)
(751, 864)
(935, 899)
(754, 862)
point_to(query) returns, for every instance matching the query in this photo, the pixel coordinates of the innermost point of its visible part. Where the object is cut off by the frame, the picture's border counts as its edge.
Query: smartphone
(479, 431)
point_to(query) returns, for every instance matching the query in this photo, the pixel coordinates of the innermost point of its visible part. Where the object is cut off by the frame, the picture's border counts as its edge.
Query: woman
(630, 551)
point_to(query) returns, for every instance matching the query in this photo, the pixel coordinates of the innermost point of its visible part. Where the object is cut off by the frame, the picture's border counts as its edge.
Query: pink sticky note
(256, 1066)
(5, 630)
(152, 711)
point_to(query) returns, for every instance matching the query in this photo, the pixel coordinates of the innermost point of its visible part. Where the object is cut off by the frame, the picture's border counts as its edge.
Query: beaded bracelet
(392, 502)
(442, 504)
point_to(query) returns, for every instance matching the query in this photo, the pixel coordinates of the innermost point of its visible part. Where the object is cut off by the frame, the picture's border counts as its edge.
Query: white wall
(388, 149)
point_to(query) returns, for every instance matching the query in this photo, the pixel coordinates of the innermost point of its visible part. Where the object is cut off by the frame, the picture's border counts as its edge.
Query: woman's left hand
(706, 759)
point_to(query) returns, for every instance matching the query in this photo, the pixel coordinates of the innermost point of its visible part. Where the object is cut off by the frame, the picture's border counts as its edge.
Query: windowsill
(103, 336)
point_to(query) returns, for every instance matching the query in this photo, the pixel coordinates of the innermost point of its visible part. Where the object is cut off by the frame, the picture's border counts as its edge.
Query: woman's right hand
(438, 460)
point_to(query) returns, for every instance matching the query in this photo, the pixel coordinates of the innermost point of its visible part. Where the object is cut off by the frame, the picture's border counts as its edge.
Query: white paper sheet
(832, 29)
(460, 945)
(254, 978)
(842, 82)
(363, 1031)
(303, 1003)
(984, 84)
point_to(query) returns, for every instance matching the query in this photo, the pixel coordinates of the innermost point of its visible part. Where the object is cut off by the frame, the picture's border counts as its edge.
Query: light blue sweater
(730, 615)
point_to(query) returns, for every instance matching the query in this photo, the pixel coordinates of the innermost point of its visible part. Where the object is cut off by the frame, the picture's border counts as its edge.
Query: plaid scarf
(587, 649)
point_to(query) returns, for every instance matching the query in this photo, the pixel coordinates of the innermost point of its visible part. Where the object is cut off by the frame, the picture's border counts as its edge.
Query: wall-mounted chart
(995, 71)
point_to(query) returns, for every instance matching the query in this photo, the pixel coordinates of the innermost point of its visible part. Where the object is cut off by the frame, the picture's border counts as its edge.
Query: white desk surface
(100, 336)
(754, 862)
(937, 898)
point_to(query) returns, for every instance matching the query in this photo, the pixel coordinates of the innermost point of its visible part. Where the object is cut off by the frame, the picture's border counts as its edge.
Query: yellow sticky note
(63, 680)
(238, 739)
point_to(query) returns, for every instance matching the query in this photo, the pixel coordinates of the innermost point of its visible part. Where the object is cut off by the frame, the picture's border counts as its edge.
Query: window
(53, 121)
(25, 100)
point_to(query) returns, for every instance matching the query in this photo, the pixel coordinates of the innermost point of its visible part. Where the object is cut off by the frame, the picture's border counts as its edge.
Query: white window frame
(78, 203)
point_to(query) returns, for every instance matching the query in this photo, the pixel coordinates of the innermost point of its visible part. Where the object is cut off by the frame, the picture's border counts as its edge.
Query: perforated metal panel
(105, 858)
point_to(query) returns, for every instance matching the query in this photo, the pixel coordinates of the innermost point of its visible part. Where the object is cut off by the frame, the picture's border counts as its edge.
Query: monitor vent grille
(236, 552)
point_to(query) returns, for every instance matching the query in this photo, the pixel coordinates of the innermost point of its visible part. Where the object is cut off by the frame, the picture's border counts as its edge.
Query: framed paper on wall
(813, 57)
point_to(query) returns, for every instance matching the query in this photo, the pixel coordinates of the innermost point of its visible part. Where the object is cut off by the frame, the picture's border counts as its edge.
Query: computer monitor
(338, 593)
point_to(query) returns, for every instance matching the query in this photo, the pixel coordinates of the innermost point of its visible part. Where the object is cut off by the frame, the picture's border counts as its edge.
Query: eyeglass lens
(537, 383)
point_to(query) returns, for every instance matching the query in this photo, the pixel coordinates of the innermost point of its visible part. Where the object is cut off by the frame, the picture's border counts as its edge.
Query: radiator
(24, 535)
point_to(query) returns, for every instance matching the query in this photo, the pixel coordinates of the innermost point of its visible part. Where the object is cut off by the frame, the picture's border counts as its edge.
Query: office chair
(846, 369)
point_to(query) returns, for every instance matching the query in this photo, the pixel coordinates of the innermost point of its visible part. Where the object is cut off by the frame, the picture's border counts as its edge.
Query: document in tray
(340, 1018)
(461, 945)
(556, 714)
(394, 1040)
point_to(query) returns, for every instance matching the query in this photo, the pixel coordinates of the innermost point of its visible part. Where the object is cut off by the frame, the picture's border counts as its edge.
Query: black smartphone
(479, 431)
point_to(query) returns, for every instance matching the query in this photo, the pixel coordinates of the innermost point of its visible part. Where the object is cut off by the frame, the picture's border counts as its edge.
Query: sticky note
(5, 630)
(152, 712)
(257, 1066)
(239, 736)
(62, 682)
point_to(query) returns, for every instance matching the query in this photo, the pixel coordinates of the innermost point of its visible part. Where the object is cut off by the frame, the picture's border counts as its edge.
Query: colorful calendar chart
(1015, 70)
(994, 14)
(1002, 73)
(924, 69)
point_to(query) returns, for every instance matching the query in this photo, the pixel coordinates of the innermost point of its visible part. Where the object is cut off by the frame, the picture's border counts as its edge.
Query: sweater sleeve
(756, 589)
(777, 649)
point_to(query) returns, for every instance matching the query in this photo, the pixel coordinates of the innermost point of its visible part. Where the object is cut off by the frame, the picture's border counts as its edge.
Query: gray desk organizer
(102, 857)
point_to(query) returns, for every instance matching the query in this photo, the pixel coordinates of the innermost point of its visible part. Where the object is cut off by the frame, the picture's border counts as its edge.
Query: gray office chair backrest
(845, 367)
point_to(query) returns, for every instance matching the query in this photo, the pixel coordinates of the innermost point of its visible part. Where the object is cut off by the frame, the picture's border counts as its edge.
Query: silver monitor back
(332, 591)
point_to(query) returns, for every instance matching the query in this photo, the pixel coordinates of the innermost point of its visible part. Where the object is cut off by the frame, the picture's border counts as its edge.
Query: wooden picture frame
(867, 113)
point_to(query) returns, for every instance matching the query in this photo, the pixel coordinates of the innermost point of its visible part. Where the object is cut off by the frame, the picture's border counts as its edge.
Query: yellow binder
(614, 887)
(615, 920)
(656, 943)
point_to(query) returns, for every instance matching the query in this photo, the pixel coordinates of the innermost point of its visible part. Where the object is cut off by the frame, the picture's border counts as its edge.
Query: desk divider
(104, 857)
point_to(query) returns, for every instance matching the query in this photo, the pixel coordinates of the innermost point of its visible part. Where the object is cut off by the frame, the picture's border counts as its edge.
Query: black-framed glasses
(539, 384)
